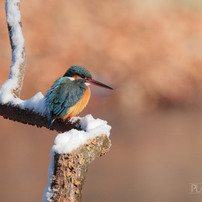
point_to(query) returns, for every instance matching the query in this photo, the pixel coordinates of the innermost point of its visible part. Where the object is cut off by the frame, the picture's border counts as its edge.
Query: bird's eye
(85, 78)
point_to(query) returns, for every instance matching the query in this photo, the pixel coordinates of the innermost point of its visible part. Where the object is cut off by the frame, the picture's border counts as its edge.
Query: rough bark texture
(32, 118)
(21, 74)
(70, 168)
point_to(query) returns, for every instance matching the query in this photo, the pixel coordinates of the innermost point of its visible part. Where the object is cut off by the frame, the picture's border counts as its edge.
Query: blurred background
(150, 52)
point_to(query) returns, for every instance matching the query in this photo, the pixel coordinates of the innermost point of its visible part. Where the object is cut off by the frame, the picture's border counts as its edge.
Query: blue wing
(63, 94)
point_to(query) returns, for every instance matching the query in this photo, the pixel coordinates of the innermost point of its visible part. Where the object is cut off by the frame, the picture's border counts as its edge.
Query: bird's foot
(73, 119)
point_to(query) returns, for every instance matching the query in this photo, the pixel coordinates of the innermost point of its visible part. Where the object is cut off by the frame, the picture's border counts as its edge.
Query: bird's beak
(97, 83)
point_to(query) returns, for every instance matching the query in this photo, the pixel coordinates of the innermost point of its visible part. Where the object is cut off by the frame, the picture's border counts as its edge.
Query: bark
(21, 74)
(71, 168)
(29, 117)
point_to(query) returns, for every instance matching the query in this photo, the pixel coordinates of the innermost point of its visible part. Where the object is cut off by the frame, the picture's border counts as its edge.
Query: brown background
(150, 52)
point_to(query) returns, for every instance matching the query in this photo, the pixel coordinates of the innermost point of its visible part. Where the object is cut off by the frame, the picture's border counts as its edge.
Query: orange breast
(79, 106)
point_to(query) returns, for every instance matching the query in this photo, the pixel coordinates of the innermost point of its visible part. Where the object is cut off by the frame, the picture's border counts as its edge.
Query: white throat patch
(87, 84)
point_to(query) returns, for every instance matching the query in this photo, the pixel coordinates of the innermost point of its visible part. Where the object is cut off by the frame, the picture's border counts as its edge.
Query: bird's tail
(50, 121)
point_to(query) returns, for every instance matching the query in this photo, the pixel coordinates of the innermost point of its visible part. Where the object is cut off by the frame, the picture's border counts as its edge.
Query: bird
(70, 94)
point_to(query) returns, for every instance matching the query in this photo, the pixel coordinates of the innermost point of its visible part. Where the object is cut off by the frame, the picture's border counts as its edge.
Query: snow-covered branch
(70, 157)
(70, 170)
(86, 139)
(17, 69)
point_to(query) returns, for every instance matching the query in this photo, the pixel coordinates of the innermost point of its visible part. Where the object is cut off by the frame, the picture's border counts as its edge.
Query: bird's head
(77, 72)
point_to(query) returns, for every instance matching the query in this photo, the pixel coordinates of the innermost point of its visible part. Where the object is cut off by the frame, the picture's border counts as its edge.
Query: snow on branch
(86, 139)
(71, 155)
(12, 87)
(31, 111)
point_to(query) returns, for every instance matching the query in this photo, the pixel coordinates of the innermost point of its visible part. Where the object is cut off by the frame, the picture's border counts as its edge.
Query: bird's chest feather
(79, 106)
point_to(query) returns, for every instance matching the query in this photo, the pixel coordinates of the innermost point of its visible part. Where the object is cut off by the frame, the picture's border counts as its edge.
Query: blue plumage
(63, 94)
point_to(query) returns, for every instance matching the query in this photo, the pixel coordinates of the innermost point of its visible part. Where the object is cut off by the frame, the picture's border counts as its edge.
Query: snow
(48, 192)
(71, 140)
(36, 103)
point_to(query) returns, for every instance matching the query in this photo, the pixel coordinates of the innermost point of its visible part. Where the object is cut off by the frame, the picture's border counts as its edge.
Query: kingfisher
(70, 94)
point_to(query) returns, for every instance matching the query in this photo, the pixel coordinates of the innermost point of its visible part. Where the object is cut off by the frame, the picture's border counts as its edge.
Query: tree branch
(27, 116)
(17, 69)
(70, 169)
